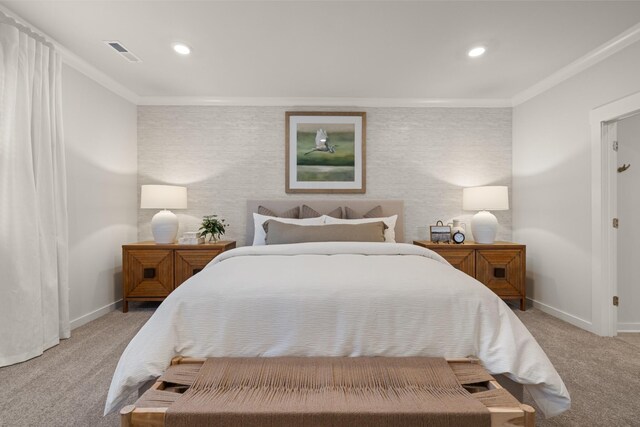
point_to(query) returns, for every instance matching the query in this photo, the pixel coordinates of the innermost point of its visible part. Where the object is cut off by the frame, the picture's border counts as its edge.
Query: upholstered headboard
(389, 207)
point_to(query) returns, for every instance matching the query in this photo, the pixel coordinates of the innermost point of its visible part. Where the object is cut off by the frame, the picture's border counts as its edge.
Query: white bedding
(337, 299)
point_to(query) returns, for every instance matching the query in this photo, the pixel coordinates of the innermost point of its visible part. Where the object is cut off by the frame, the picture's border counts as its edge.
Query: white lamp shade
(489, 198)
(163, 197)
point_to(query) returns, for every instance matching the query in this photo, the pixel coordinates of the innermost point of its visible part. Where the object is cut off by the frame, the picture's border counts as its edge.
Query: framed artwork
(325, 152)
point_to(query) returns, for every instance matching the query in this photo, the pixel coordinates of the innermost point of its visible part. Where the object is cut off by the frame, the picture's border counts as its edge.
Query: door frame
(603, 209)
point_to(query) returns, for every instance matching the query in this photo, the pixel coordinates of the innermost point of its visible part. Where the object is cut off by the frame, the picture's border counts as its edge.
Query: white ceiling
(355, 49)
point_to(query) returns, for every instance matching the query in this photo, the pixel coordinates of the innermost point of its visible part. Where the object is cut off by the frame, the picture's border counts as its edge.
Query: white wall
(101, 147)
(226, 155)
(629, 231)
(552, 183)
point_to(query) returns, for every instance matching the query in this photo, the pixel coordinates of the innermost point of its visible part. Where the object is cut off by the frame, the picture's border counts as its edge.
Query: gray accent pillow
(279, 233)
(291, 213)
(308, 212)
(373, 213)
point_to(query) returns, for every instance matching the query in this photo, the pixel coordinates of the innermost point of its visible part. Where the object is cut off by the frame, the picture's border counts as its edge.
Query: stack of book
(191, 238)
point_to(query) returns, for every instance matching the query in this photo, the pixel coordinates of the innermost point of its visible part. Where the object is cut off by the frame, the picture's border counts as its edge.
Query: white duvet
(337, 299)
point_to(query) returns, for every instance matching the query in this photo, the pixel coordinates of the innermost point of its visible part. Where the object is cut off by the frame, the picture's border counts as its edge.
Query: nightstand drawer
(462, 259)
(190, 262)
(148, 273)
(501, 271)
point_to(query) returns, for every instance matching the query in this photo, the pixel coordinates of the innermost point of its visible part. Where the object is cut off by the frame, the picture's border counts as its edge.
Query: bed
(332, 299)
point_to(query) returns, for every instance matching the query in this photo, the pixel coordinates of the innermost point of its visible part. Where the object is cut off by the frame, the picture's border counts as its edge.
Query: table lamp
(484, 224)
(164, 224)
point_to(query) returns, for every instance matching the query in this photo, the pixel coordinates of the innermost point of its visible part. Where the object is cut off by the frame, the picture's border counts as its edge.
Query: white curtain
(34, 291)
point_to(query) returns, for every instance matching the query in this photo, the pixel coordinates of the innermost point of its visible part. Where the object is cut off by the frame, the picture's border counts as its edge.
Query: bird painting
(322, 143)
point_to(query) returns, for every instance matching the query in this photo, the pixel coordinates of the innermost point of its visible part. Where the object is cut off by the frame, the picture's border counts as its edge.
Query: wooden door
(462, 259)
(190, 262)
(501, 270)
(628, 212)
(148, 272)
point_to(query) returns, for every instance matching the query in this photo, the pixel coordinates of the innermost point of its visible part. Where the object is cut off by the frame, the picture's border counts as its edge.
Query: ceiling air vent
(123, 51)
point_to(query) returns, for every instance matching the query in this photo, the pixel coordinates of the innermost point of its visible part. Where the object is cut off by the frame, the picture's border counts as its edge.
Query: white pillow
(390, 222)
(260, 236)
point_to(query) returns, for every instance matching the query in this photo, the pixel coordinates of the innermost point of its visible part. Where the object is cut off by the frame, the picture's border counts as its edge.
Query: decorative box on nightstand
(151, 271)
(501, 266)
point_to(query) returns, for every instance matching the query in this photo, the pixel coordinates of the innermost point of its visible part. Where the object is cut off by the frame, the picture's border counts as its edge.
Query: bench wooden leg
(125, 416)
(529, 416)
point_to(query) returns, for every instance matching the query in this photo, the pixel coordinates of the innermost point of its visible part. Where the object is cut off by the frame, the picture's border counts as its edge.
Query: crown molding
(616, 44)
(321, 102)
(74, 61)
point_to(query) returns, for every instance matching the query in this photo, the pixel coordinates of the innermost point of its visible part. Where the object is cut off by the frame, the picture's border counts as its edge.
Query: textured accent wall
(226, 155)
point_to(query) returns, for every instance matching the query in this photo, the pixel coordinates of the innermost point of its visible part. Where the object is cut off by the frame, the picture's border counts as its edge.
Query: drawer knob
(149, 273)
(499, 272)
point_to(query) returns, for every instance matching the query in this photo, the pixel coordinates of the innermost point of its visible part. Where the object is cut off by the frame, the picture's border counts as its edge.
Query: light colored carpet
(632, 338)
(601, 374)
(67, 386)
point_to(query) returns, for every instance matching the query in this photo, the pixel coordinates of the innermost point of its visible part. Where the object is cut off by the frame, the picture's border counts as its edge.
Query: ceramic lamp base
(164, 226)
(484, 226)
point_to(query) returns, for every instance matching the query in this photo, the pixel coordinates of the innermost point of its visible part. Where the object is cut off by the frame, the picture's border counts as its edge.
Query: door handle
(623, 168)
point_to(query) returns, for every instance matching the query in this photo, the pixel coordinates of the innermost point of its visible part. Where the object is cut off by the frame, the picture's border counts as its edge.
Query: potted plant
(213, 226)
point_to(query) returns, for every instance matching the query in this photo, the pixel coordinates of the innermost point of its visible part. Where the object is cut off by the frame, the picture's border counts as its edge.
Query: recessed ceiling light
(477, 51)
(182, 49)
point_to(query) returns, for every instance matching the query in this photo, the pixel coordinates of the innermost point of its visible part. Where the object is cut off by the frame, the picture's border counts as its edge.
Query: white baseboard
(628, 327)
(563, 315)
(83, 320)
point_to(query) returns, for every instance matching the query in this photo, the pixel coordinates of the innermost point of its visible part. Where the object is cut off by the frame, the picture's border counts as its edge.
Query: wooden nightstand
(501, 266)
(151, 271)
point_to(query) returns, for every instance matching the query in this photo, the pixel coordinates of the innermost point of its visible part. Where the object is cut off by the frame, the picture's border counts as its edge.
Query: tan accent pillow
(279, 233)
(308, 212)
(373, 213)
(291, 213)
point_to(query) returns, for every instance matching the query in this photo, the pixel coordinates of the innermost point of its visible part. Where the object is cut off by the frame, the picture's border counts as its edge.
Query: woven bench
(321, 391)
